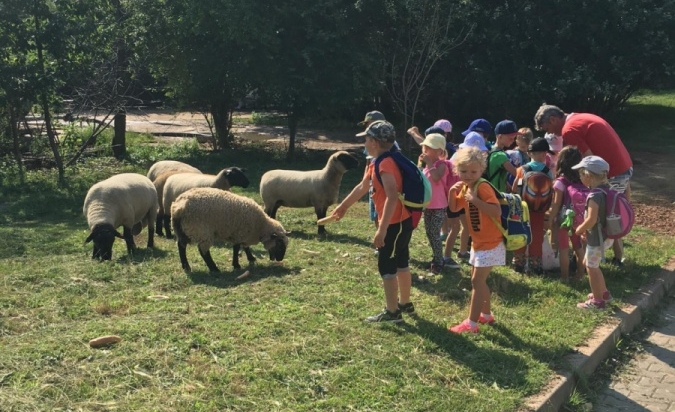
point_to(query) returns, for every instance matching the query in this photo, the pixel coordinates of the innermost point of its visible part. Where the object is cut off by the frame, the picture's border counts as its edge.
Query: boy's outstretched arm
(357, 193)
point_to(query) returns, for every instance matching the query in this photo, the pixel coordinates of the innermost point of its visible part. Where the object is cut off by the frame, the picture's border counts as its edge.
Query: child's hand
(413, 130)
(469, 196)
(457, 187)
(378, 241)
(339, 212)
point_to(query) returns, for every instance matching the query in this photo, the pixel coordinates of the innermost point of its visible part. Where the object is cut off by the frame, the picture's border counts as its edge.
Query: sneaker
(436, 269)
(592, 304)
(606, 296)
(464, 327)
(450, 262)
(463, 255)
(486, 321)
(407, 308)
(616, 262)
(519, 268)
(386, 316)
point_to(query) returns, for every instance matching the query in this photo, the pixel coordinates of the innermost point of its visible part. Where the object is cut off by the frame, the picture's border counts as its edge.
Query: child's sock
(487, 316)
(472, 323)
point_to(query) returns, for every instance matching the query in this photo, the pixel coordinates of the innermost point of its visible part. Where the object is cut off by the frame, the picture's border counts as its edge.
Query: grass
(290, 337)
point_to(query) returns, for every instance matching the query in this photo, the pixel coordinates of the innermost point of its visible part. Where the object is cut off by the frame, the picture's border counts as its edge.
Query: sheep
(206, 215)
(126, 199)
(164, 166)
(318, 188)
(181, 182)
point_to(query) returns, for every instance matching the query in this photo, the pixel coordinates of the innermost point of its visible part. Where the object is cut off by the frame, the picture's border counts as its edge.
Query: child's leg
(581, 269)
(390, 284)
(480, 294)
(452, 235)
(519, 259)
(563, 242)
(536, 247)
(433, 220)
(595, 277)
(404, 284)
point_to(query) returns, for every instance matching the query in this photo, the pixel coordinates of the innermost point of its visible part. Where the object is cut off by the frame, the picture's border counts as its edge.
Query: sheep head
(276, 244)
(345, 159)
(103, 237)
(236, 177)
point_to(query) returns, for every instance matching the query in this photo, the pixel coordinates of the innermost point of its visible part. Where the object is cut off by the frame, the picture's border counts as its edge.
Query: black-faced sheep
(179, 183)
(205, 215)
(127, 200)
(318, 188)
(163, 166)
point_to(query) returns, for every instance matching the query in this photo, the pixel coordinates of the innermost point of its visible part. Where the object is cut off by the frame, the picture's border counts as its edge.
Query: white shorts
(488, 258)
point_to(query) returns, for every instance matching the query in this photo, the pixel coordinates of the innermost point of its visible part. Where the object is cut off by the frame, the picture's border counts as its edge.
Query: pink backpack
(575, 199)
(450, 177)
(620, 215)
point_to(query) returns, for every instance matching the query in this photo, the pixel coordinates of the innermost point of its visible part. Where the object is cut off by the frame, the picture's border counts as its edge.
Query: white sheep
(318, 188)
(128, 200)
(205, 215)
(179, 183)
(164, 166)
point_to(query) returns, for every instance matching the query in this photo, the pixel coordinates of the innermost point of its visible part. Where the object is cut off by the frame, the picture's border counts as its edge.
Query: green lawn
(290, 337)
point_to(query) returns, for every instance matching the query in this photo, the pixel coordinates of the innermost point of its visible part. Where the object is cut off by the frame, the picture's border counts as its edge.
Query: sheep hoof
(187, 269)
(169, 236)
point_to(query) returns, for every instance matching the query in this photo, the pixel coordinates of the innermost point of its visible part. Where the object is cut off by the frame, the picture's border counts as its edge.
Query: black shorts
(452, 214)
(396, 240)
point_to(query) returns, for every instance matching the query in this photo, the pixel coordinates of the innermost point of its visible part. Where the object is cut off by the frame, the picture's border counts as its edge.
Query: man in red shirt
(593, 136)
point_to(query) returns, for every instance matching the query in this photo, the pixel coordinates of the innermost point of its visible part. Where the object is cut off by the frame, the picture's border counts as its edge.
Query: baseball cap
(434, 141)
(371, 117)
(595, 164)
(473, 139)
(507, 127)
(555, 143)
(538, 145)
(434, 129)
(380, 130)
(479, 125)
(444, 124)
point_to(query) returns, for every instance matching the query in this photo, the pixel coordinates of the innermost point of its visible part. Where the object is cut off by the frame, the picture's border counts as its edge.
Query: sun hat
(595, 164)
(479, 125)
(444, 124)
(434, 141)
(555, 143)
(380, 130)
(473, 139)
(507, 127)
(539, 145)
(371, 117)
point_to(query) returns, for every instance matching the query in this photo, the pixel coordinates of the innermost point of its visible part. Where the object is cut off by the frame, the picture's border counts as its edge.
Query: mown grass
(290, 337)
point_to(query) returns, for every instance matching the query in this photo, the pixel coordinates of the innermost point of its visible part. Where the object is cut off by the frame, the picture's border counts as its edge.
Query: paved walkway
(649, 382)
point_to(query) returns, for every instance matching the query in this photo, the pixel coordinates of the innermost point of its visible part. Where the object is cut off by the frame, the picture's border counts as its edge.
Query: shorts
(397, 240)
(488, 258)
(620, 182)
(452, 214)
(594, 254)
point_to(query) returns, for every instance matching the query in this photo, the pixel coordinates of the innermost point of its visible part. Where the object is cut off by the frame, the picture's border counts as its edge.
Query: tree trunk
(14, 131)
(292, 131)
(220, 111)
(119, 142)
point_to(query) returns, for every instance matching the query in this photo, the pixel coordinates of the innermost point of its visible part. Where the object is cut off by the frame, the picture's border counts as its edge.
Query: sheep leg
(183, 258)
(209, 260)
(235, 256)
(167, 226)
(151, 237)
(158, 224)
(272, 211)
(320, 214)
(129, 239)
(249, 255)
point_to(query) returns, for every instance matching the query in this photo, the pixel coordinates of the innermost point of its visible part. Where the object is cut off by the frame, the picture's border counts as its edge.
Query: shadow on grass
(228, 279)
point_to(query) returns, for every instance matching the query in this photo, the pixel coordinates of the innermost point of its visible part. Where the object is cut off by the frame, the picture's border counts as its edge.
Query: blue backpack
(416, 187)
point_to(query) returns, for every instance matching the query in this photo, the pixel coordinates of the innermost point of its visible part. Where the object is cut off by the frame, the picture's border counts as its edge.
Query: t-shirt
(439, 197)
(388, 165)
(483, 230)
(495, 167)
(593, 235)
(588, 131)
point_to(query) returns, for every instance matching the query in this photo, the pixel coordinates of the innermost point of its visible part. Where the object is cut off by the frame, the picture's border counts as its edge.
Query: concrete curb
(603, 341)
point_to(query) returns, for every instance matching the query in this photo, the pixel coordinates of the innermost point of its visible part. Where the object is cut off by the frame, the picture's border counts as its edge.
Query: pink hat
(444, 124)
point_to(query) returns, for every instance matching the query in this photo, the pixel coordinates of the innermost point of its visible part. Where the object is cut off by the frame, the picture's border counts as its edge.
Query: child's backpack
(450, 177)
(575, 199)
(536, 188)
(515, 219)
(620, 215)
(416, 187)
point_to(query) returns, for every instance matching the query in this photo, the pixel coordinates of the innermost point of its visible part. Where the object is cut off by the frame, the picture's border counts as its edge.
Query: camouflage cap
(380, 130)
(371, 117)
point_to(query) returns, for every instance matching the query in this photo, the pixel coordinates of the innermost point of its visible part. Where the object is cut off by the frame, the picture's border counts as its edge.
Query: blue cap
(434, 129)
(506, 127)
(479, 125)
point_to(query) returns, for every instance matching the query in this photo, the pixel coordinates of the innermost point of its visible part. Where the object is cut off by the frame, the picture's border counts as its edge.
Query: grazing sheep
(164, 166)
(181, 182)
(159, 183)
(206, 215)
(318, 188)
(126, 199)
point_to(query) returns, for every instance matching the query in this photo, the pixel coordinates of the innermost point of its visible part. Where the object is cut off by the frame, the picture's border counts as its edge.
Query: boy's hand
(339, 212)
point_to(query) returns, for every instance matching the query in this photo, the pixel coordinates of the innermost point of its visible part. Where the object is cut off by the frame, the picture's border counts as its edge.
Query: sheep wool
(297, 189)
(164, 166)
(205, 215)
(181, 182)
(128, 200)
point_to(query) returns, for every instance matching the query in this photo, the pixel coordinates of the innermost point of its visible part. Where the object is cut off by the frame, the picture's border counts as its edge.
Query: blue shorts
(620, 182)
(396, 241)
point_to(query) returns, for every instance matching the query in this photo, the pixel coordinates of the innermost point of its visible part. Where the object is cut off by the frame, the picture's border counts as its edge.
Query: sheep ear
(89, 238)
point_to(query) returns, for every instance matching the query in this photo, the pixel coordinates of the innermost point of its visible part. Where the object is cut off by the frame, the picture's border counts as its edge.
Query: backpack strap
(379, 160)
(499, 195)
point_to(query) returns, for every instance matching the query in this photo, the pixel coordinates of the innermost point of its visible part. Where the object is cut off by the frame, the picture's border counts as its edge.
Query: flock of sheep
(202, 210)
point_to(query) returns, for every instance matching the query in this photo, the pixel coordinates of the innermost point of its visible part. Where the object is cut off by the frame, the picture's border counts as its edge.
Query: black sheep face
(349, 161)
(103, 238)
(276, 246)
(236, 177)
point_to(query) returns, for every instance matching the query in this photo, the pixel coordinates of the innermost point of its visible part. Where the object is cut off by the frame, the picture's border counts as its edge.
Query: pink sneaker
(592, 304)
(486, 321)
(606, 296)
(464, 327)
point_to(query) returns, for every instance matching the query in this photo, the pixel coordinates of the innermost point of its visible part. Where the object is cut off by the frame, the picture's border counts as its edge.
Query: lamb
(181, 182)
(128, 200)
(164, 166)
(318, 188)
(206, 215)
